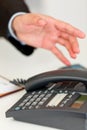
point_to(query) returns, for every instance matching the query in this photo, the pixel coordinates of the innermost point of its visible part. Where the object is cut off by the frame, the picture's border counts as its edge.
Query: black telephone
(49, 101)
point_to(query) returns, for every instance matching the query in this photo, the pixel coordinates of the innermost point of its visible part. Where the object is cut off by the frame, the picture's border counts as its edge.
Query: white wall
(72, 11)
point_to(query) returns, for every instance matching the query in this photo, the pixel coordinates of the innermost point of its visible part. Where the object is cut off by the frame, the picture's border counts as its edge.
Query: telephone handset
(38, 81)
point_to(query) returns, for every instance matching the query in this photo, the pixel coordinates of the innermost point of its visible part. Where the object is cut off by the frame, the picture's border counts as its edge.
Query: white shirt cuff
(10, 26)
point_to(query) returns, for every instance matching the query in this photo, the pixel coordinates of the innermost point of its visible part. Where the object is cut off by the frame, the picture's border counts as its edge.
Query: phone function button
(56, 100)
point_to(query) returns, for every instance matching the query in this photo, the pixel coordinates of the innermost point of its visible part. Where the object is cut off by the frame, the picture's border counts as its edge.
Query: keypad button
(17, 108)
(28, 103)
(30, 107)
(22, 104)
(40, 103)
(34, 103)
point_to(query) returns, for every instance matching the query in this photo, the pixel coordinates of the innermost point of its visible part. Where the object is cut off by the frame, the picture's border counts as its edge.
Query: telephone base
(54, 119)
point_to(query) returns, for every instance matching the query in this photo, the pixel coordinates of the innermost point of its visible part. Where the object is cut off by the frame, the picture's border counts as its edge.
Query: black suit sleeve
(7, 9)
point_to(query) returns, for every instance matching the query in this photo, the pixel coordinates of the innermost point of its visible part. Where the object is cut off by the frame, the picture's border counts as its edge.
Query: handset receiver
(40, 80)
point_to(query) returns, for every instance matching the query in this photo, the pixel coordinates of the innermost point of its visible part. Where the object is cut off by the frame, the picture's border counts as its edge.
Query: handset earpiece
(40, 80)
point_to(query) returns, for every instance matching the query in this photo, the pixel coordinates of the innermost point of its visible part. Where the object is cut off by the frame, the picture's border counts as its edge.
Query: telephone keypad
(46, 98)
(34, 100)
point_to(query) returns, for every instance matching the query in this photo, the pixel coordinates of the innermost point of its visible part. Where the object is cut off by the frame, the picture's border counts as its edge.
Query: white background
(72, 11)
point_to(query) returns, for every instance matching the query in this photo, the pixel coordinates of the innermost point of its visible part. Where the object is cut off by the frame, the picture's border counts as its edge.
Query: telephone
(49, 101)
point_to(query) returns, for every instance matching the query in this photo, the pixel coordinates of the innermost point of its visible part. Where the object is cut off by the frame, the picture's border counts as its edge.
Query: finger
(74, 44)
(68, 46)
(64, 35)
(72, 40)
(65, 27)
(59, 55)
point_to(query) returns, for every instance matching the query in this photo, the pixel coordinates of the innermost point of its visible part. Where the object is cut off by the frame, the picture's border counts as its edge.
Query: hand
(43, 31)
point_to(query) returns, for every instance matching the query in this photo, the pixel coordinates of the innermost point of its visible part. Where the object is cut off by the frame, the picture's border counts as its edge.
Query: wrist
(11, 26)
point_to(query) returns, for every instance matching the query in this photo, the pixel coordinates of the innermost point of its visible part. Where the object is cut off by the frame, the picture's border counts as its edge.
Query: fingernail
(83, 35)
(67, 63)
(73, 55)
(77, 50)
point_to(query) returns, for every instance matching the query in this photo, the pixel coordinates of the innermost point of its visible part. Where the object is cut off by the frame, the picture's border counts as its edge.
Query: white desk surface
(15, 65)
